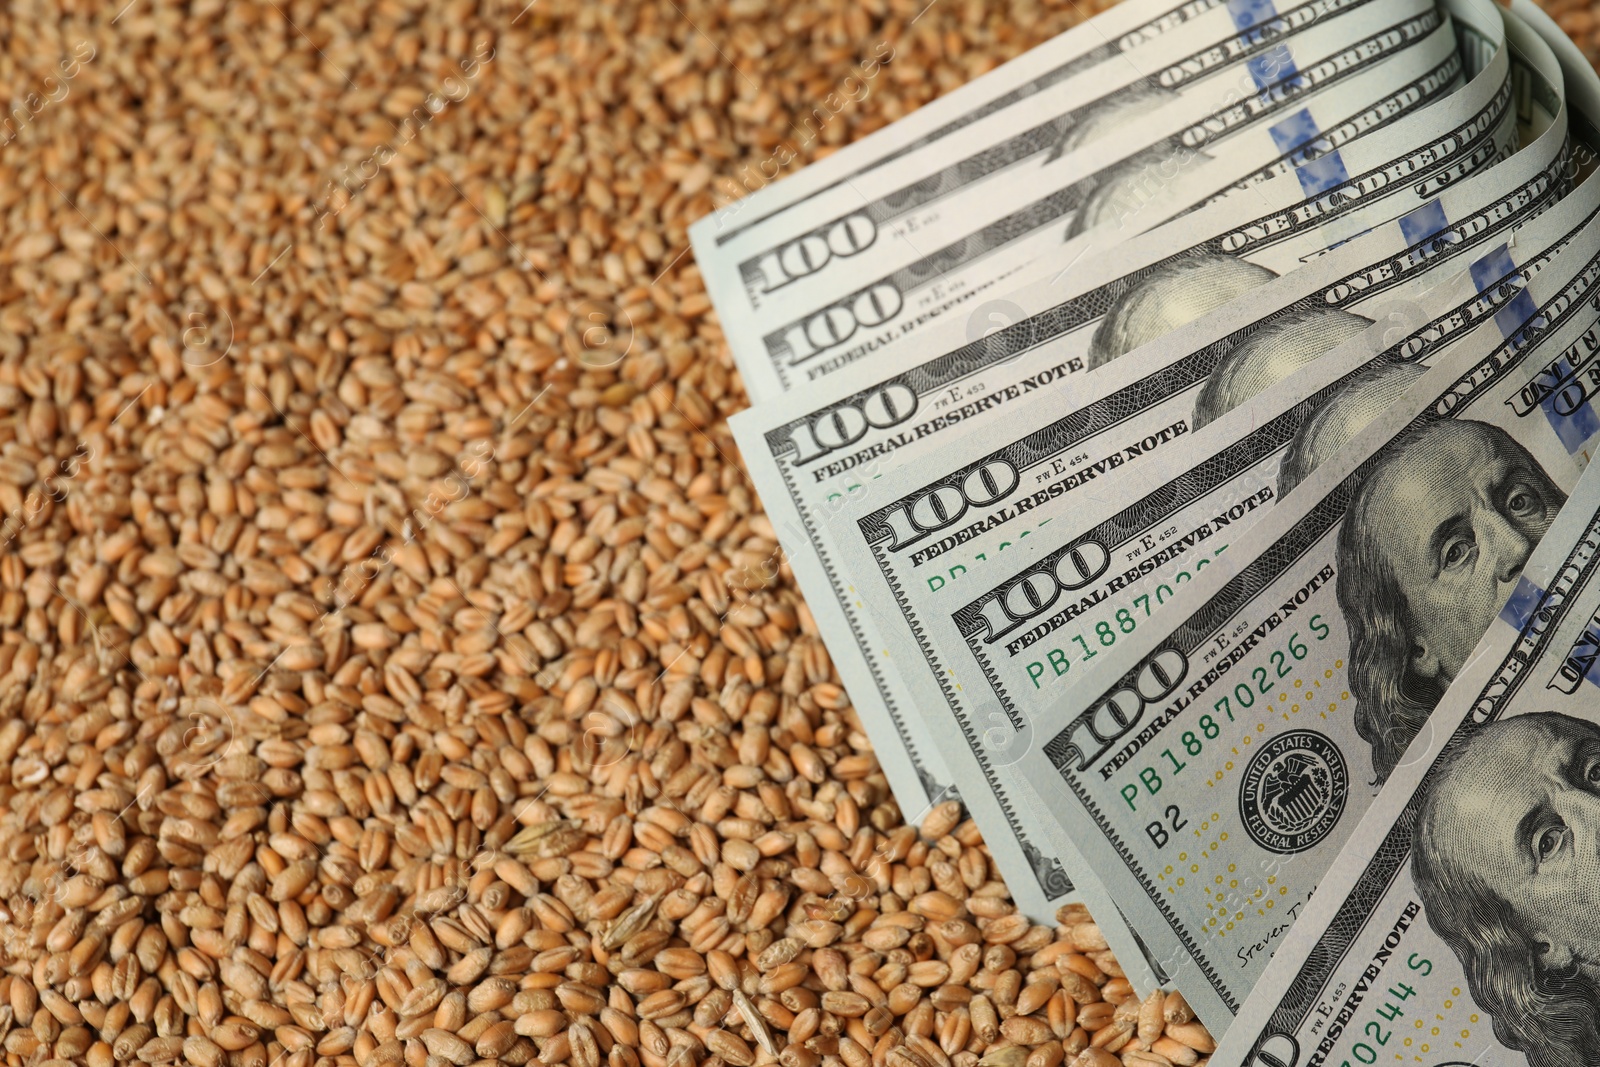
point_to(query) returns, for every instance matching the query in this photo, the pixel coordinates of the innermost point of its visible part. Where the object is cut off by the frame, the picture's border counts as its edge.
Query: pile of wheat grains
(395, 663)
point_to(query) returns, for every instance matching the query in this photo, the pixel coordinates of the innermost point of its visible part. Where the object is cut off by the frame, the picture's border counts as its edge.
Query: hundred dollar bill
(1241, 735)
(1333, 194)
(1092, 45)
(1113, 556)
(1458, 923)
(932, 539)
(1005, 661)
(1141, 533)
(1240, 44)
(1242, 738)
(1117, 292)
(849, 217)
(1330, 87)
(949, 523)
(802, 484)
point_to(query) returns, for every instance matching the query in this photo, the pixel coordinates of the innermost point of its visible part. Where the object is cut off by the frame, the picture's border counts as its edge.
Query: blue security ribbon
(1273, 65)
(1491, 270)
(1573, 427)
(1277, 66)
(1423, 223)
(1317, 175)
(1519, 609)
(1248, 13)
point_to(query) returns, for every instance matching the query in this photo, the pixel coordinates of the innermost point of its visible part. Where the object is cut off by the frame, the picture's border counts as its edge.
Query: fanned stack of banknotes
(1178, 434)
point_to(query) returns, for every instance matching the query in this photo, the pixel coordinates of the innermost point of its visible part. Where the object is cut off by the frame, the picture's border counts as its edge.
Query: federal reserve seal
(1293, 791)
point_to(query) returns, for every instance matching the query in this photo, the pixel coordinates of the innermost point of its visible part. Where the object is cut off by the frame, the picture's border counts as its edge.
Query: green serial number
(1104, 633)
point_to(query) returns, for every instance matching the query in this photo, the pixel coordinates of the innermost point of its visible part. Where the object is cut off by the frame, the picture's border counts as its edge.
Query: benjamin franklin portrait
(1337, 422)
(1121, 191)
(1168, 297)
(1430, 547)
(1271, 354)
(1507, 862)
(1124, 190)
(1114, 112)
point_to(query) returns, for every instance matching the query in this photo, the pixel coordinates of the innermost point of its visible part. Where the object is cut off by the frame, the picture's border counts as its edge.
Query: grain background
(395, 663)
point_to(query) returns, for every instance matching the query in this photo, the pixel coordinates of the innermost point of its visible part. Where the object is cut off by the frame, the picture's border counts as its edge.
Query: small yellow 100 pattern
(1228, 896)
(1424, 1036)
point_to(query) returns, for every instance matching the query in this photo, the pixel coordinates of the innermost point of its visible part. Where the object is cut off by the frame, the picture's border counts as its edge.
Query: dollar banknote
(1100, 42)
(1266, 672)
(1118, 291)
(801, 486)
(1243, 732)
(1226, 47)
(1458, 923)
(1003, 662)
(1067, 114)
(938, 529)
(931, 542)
(1329, 88)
